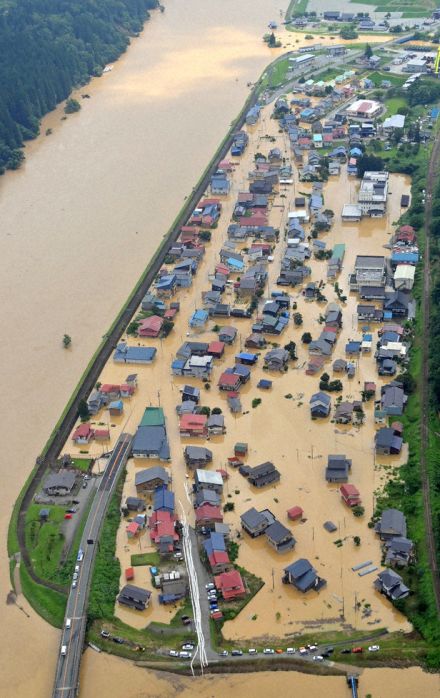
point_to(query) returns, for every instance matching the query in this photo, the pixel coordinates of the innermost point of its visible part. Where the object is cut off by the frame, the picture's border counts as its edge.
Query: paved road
(202, 579)
(67, 671)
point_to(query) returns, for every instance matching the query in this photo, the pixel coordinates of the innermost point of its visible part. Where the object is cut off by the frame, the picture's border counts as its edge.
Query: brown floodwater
(79, 222)
(111, 677)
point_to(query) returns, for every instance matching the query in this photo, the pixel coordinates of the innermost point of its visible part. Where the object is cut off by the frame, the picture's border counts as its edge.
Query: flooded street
(80, 221)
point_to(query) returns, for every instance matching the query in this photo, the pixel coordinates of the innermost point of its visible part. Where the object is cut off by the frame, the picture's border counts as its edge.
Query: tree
(67, 341)
(272, 40)
(216, 410)
(368, 51)
(348, 32)
(291, 348)
(298, 319)
(83, 411)
(205, 235)
(368, 163)
(306, 338)
(72, 105)
(356, 541)
(358, 510)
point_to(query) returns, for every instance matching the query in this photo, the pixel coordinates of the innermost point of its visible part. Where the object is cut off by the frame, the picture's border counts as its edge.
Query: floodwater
(79, 222)
(110, 676)
(298, 446)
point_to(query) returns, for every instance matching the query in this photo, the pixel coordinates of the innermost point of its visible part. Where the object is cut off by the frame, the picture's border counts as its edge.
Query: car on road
(73, 510)
(80, 555)
(303, 650)
(346, 651)
(173, 653)
(312, 648)
(75, 576)
(317, 658)
(76, 568)
(290, 650)
(357, 650)
(252, 650)
(268, 650)
(105, 633)
(188, 646)
(374, 648)
(185, 655)
(236, 653)
(223, 653)
(68, 623)
(74, 584)
(210, 585)
(85, 483)
(67, 516)
(63, 650)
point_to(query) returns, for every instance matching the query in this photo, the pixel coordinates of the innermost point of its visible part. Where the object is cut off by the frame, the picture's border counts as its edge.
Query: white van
(63, 650)
(68, 623)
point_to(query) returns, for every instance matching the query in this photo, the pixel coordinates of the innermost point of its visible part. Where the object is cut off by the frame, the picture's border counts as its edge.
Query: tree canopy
(50, 47)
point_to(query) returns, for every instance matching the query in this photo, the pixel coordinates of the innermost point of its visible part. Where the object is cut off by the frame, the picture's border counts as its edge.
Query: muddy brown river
(79, 222)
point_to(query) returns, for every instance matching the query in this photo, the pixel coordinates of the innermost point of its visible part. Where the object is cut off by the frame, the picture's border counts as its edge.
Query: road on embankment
(431, 181)
(72, 639)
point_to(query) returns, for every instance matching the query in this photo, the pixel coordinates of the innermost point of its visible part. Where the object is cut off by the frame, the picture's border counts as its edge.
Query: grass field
(82, 464)
(395, 80)
(277, 76)
(145, 559)
(44, 539)
(394, 105)
(49, 604)
(422, 8)
(296, 8)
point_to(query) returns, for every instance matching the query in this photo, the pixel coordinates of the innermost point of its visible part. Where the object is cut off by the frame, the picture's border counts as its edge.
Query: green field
(49, 604)
(82, 464)
(296, 8)
(395, 80)
(44, 539)
(422, 9)
(145, 559)
(394, 105)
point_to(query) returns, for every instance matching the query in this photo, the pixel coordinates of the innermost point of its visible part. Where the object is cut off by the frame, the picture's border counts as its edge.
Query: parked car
(317, 658)
(374, 648)
(186, 620)
(74, 584)
(290, 650)
(303, 650)
(346, 651)
(312, 648)
(236, 653)
(268, 650)
(75, 576)
(105, 633)
(210, 585)
(279, 651)
(188, 646)
(252, 650)
(80, 555)
(185, 655)
(67, 516)
(223, 653)
(173, 653)
(118, 640)
(330, 650)
(357, 650)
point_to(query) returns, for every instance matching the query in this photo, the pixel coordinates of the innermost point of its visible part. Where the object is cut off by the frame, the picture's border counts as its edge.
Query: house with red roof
(132, 529)
(216, 349)
(163, 532)
(208, 515)
(295, 513)
(193, 425)
(150, 326)
(83, 434)
(102, 434)
(219, 561)
(229, 382)
(255, 220)
(230, 585)
(350, 495)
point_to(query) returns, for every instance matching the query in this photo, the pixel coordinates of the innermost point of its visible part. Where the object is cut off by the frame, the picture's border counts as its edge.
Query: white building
(373, 192)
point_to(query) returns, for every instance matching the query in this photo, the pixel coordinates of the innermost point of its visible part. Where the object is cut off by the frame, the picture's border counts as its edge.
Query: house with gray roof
(151, 478)
(387, 442)
(399, 552)
(216, 425)
(280, 537)
(134, 597)
(320, 404)
(197, 456)
(276, 359)
(151, 442)
(60, 484)
(256, 522)
(205, 496)
(393, 399)
(338, 468)
(302, 575)
(392, 524)
(264, 474)
(391, 585)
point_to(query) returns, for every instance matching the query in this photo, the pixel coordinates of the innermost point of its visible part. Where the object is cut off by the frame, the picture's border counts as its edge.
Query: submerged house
(302, 575)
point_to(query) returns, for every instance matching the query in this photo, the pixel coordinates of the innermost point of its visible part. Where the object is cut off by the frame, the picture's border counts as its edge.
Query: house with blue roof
(317, 140)
(163, 499)
(166, 285)
(125, 354)
(199, 318)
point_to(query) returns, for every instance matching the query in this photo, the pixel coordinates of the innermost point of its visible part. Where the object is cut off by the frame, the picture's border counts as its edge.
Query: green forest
(47, 48)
